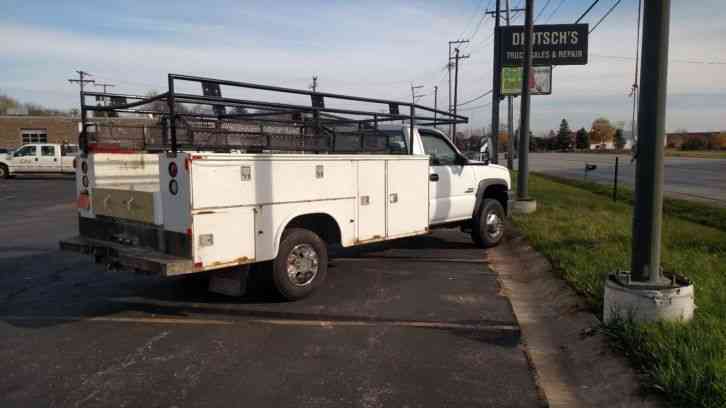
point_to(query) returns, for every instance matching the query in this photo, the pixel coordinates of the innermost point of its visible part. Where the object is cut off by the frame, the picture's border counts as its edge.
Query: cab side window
(26, 151)
(442, 154)
(48, 151)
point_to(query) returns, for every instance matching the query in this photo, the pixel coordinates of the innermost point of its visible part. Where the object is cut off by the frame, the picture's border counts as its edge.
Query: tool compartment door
(371, 200)
(407, 198)
(224, 237)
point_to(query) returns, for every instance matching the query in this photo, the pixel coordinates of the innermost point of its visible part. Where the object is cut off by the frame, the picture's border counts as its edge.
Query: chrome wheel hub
(495, 226)
(302, 265)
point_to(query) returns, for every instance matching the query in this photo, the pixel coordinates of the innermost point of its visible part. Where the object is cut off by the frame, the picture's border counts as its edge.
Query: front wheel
(4, 171)
(301, 264)
(488, 225)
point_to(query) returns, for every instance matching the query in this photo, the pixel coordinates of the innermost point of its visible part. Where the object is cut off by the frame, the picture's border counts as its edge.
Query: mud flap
(229, 281)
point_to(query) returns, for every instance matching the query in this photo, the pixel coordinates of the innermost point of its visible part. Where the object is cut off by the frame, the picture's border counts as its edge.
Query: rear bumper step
(146, 260)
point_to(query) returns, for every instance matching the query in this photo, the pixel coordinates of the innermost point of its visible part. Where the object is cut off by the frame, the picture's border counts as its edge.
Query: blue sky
(372, 48)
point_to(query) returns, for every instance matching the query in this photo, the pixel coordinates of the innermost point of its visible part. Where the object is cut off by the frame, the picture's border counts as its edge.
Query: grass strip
(586, 237)
(693, 211)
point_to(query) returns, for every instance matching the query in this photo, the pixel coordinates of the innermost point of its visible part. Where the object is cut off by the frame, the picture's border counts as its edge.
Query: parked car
(39, 158)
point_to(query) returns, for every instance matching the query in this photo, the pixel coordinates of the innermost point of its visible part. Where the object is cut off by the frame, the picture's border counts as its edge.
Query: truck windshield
(26, 151)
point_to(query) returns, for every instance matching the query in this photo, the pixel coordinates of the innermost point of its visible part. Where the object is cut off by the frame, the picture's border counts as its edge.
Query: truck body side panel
(224, 237)
(371, 201)
(407, 197)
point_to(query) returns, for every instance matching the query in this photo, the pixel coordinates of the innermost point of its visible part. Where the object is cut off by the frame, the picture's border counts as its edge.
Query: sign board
(540, 81)
(553, 44)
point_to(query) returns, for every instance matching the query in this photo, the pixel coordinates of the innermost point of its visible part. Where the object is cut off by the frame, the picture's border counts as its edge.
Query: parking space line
(156, 320)
(279, 322)
(413, 259)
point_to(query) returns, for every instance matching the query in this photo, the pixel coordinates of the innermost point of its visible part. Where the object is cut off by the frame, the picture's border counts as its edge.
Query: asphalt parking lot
(414, 323)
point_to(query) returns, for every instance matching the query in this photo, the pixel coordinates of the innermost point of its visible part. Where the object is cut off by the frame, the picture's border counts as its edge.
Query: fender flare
(483, 185)
(283, 225)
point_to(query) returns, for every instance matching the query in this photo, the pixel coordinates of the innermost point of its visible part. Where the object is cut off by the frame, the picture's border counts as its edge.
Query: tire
(307, 256)
(488, 225)
(4, 171)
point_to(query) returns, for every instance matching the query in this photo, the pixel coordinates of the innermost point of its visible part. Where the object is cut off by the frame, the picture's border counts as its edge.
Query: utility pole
(648, 210)
(524, 204)
(457, 57)
(414, 95)
(496, 85)
(81, 81)
(510, 114)
(436, 102)
(449, 66)
(314, 85)
(105, 101)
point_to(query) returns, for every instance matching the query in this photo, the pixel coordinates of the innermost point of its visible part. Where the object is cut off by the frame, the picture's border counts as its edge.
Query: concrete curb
(573, 364)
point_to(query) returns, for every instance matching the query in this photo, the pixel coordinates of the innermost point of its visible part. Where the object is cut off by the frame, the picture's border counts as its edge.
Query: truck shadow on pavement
(68, 288)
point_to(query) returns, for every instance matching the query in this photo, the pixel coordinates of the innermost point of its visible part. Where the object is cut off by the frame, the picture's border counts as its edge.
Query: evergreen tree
(582, 139)
(619, 139)
(564, 140)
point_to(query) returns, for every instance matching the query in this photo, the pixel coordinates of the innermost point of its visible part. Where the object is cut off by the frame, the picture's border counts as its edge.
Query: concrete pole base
(524, 206)
(643, 302)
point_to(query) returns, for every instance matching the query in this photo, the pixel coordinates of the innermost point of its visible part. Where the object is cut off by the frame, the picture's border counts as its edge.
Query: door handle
(36, 159)
(434, 177)
(470, 190)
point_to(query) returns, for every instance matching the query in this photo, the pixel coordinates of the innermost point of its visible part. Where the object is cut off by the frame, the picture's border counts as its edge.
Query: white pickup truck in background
(39, 158)
(194, 210)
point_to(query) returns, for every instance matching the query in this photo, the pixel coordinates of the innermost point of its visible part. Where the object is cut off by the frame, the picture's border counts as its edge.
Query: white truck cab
(39, 158)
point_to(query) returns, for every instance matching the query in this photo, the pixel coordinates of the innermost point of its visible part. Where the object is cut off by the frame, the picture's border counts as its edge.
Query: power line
(555, 11)
(606, 15)
(476, 98)
(542, 10)
(476, 107)
(677, 61)
(587, 11)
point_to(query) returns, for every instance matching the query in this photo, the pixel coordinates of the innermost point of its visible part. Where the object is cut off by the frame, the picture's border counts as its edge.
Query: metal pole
(496, 88)
(456, 92)
(615, 180)
(448, 66)
(436, 102)
(510, 116)
(523, 174)
(648, 211)
(172, 114)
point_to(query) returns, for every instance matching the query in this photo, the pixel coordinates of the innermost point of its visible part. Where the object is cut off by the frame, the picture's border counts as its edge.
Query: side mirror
(435, 161)
(485, 156)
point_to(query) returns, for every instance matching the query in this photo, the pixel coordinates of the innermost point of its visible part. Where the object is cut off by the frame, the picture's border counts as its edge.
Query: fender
(483, 184)
(283, 225)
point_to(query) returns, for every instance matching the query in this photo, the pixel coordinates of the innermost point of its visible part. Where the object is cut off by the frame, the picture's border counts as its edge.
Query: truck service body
(196, 210)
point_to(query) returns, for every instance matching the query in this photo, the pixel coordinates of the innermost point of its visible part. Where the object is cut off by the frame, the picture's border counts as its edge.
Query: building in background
(16, 131)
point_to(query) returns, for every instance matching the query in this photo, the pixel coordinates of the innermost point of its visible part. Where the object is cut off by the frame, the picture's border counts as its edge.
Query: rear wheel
(488, 225)
(301, 264)
(4, 171)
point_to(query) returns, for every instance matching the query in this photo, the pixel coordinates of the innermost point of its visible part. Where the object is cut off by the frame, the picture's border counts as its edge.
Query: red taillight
(173, 169)
(84, 201)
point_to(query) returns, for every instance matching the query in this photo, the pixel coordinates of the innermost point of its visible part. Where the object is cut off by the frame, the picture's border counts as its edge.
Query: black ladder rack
(210, 121)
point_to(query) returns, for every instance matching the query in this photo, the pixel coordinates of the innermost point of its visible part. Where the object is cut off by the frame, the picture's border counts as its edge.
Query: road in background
(689, 178)
(417, 322)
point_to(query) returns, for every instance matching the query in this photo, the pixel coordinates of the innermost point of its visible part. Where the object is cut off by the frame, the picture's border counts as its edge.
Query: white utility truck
(274, 184)
(39, 158)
